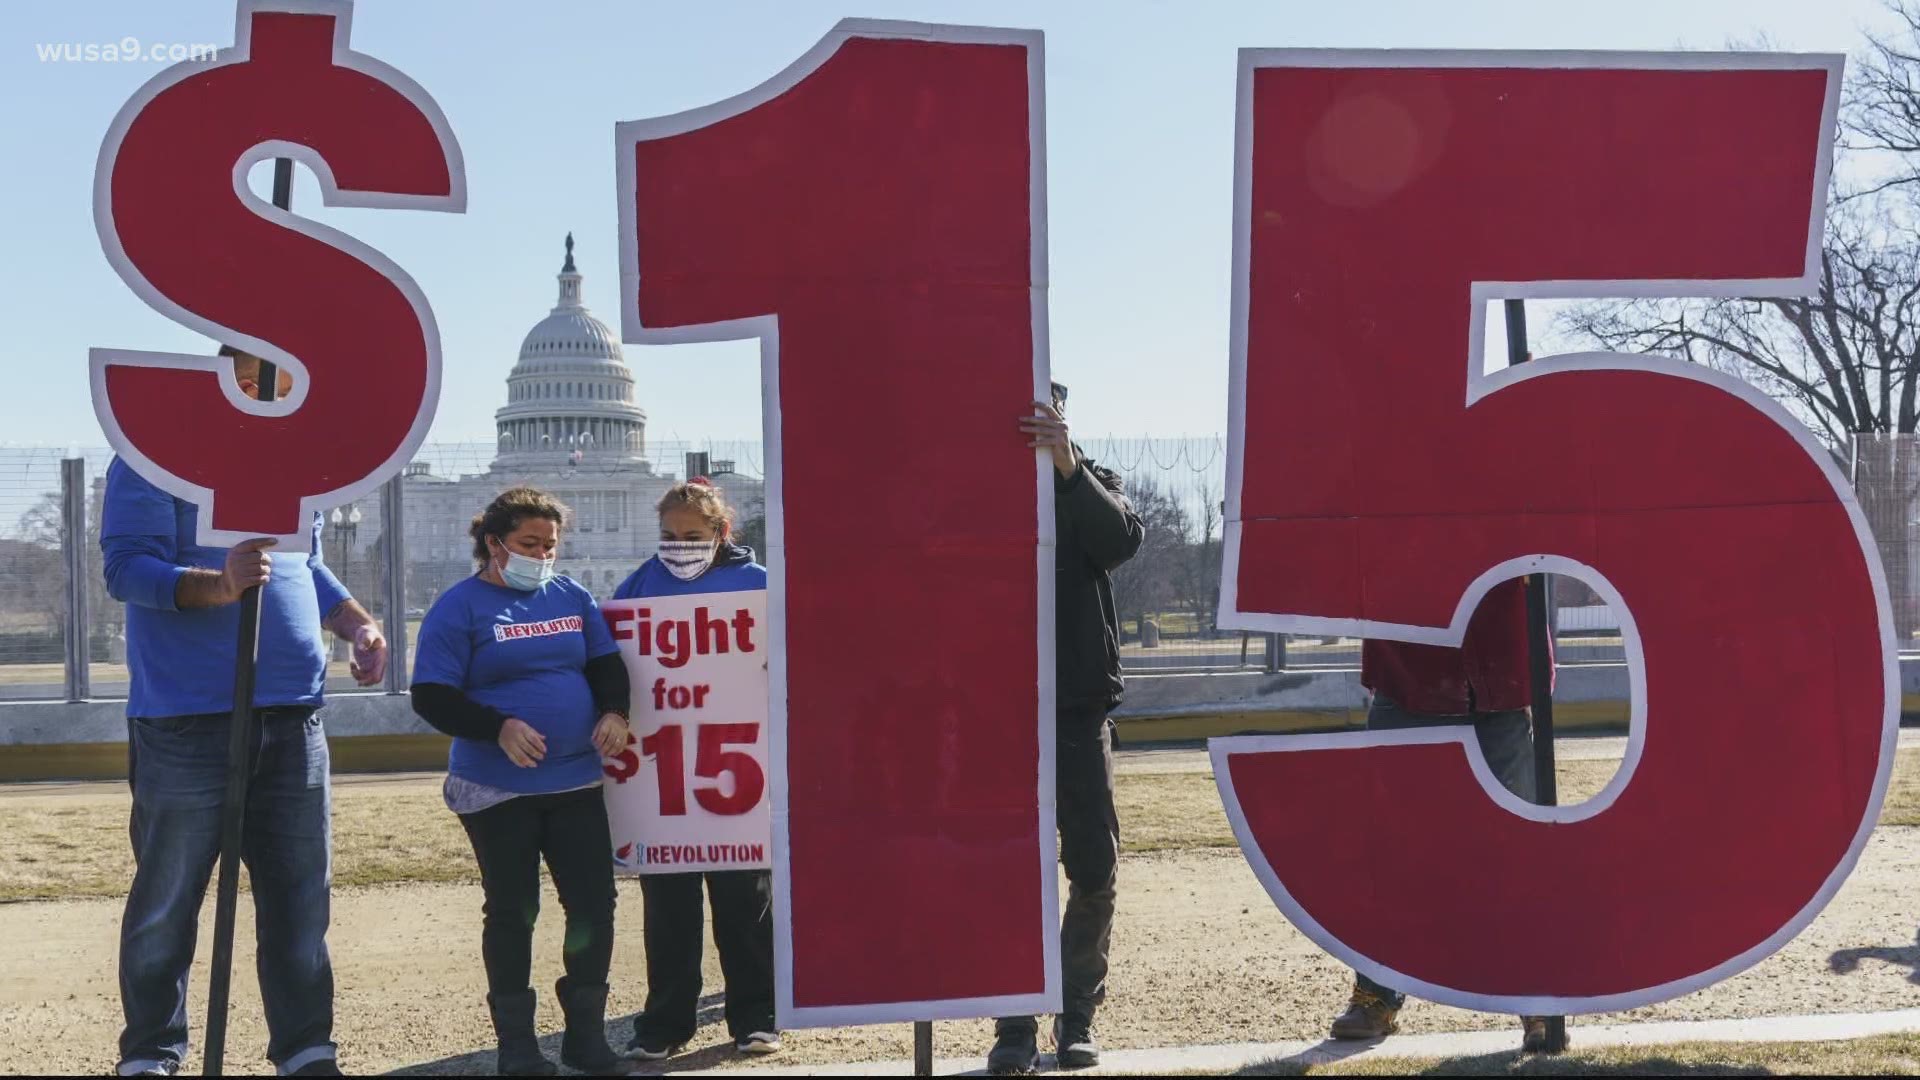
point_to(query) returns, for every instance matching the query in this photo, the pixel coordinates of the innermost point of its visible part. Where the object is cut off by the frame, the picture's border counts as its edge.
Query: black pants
(1090, 852)
(742, 930)
(570, 830)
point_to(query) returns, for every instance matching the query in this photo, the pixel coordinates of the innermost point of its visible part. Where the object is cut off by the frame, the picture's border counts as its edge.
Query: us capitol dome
(571, 426)
(571, 393)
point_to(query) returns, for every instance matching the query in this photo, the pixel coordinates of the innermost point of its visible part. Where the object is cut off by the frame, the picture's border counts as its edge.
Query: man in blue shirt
(182, 640)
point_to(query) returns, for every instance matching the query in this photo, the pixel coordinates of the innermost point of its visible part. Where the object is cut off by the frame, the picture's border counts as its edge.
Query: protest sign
(689, 792)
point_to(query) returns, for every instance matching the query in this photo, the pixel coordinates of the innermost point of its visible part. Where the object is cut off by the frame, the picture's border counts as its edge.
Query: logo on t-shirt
(572, 624)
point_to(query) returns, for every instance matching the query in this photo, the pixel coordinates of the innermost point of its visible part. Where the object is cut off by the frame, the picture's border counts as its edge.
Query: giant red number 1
(1381, 485)
(873, 216)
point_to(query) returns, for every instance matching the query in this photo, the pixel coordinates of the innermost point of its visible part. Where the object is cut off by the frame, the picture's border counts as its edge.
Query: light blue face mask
(524, 573)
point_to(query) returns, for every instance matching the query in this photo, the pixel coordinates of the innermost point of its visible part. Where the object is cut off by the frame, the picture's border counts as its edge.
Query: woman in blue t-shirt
(697, 555)
(516, 664)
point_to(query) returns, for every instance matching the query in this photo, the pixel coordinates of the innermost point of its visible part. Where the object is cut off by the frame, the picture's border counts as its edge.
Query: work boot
(758, 1044)
(1016, 1049)
(1536, 1039)
(647, 1048)
(584, 1047)
(519, 1047)
(1073, 1043)
(1367, 1017)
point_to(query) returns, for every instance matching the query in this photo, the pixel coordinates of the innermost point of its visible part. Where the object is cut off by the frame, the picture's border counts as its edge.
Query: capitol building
(571, 426)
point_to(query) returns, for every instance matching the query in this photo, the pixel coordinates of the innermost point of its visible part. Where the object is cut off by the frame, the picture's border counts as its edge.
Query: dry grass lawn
(1201, 954)
(393, 830)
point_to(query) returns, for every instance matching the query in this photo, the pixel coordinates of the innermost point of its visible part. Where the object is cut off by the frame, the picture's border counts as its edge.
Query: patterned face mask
(688, 559)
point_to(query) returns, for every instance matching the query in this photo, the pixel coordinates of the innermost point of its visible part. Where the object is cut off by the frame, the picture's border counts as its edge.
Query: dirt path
(1200, 956)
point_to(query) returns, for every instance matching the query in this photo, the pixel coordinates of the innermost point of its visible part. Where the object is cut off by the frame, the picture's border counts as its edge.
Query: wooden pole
(240, 742)
(1546, 785)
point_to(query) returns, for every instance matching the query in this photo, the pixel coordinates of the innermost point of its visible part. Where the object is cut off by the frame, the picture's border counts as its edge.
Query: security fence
(396, 551)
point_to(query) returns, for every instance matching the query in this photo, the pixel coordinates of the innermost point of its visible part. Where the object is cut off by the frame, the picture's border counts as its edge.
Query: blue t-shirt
(525, 654)
(733, 571)
(181, 662)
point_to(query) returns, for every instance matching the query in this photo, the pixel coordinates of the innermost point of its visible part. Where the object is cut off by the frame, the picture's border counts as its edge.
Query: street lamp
(339, 519)
(346, 529)
(349, 534)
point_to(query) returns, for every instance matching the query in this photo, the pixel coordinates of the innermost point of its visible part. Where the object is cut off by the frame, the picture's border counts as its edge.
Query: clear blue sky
(1140, 125)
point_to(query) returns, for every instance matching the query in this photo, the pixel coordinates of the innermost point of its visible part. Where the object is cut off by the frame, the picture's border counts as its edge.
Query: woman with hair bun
(517, 665)
(698, 555)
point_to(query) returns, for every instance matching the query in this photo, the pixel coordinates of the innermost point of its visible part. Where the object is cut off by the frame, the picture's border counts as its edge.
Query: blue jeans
(1506, 739)
(177, 769)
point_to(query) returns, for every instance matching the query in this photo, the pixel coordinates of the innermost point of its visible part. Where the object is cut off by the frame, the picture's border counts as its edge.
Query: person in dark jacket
(1096, 531)
(517, 665)
(698, 555)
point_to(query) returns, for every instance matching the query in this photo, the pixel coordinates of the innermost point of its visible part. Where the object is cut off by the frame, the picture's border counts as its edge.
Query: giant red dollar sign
(1380, 485)
(179, 225)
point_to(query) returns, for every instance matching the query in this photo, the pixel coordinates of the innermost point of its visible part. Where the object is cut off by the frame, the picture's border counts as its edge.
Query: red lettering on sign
(671, 641)
(571, 624)
(170, 190)
(874, 215)
(714, 761)
(711, 633)
(1380, 485)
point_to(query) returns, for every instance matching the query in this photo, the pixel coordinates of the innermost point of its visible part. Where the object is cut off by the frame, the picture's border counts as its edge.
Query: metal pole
(923, 1048)
(1276, 653)
(239, 752)
(73, 531)
(393, 518)
(1546, 787)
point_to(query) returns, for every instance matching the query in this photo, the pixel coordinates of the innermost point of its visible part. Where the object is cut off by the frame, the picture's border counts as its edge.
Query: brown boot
(1536, 1040)
(1367, 1017)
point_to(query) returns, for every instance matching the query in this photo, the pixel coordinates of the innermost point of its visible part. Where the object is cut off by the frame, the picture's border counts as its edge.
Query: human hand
(369, 664)
(610, 735)
(1047, 429)
(247, 565)
(524, 746)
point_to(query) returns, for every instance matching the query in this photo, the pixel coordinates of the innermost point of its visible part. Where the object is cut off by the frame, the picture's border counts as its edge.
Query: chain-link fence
(1167, 595)
(612, 497)
(1886, 475)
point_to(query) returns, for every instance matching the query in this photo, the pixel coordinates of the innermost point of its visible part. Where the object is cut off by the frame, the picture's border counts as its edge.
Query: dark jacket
(1096, 530)
(1490, 671)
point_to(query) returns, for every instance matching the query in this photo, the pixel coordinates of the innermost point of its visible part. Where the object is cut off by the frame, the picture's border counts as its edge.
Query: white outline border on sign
(100, 359)
(1479, 385)
(766, 329)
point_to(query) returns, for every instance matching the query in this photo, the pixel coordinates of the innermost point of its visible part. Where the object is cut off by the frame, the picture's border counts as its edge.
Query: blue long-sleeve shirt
(181, 661)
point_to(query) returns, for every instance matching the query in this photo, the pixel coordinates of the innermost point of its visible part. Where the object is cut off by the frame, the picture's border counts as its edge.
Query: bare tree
(1149, 583)
(37, 591)
(753, 533)
(1845, 360)
(1200, 570)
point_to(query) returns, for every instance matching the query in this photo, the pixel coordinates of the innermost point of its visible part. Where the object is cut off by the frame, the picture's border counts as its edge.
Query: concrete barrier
(380, 733)
(88, 740)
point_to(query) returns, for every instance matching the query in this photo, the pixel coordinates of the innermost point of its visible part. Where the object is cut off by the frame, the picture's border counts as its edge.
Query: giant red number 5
(873, 215)
(1381, 485)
